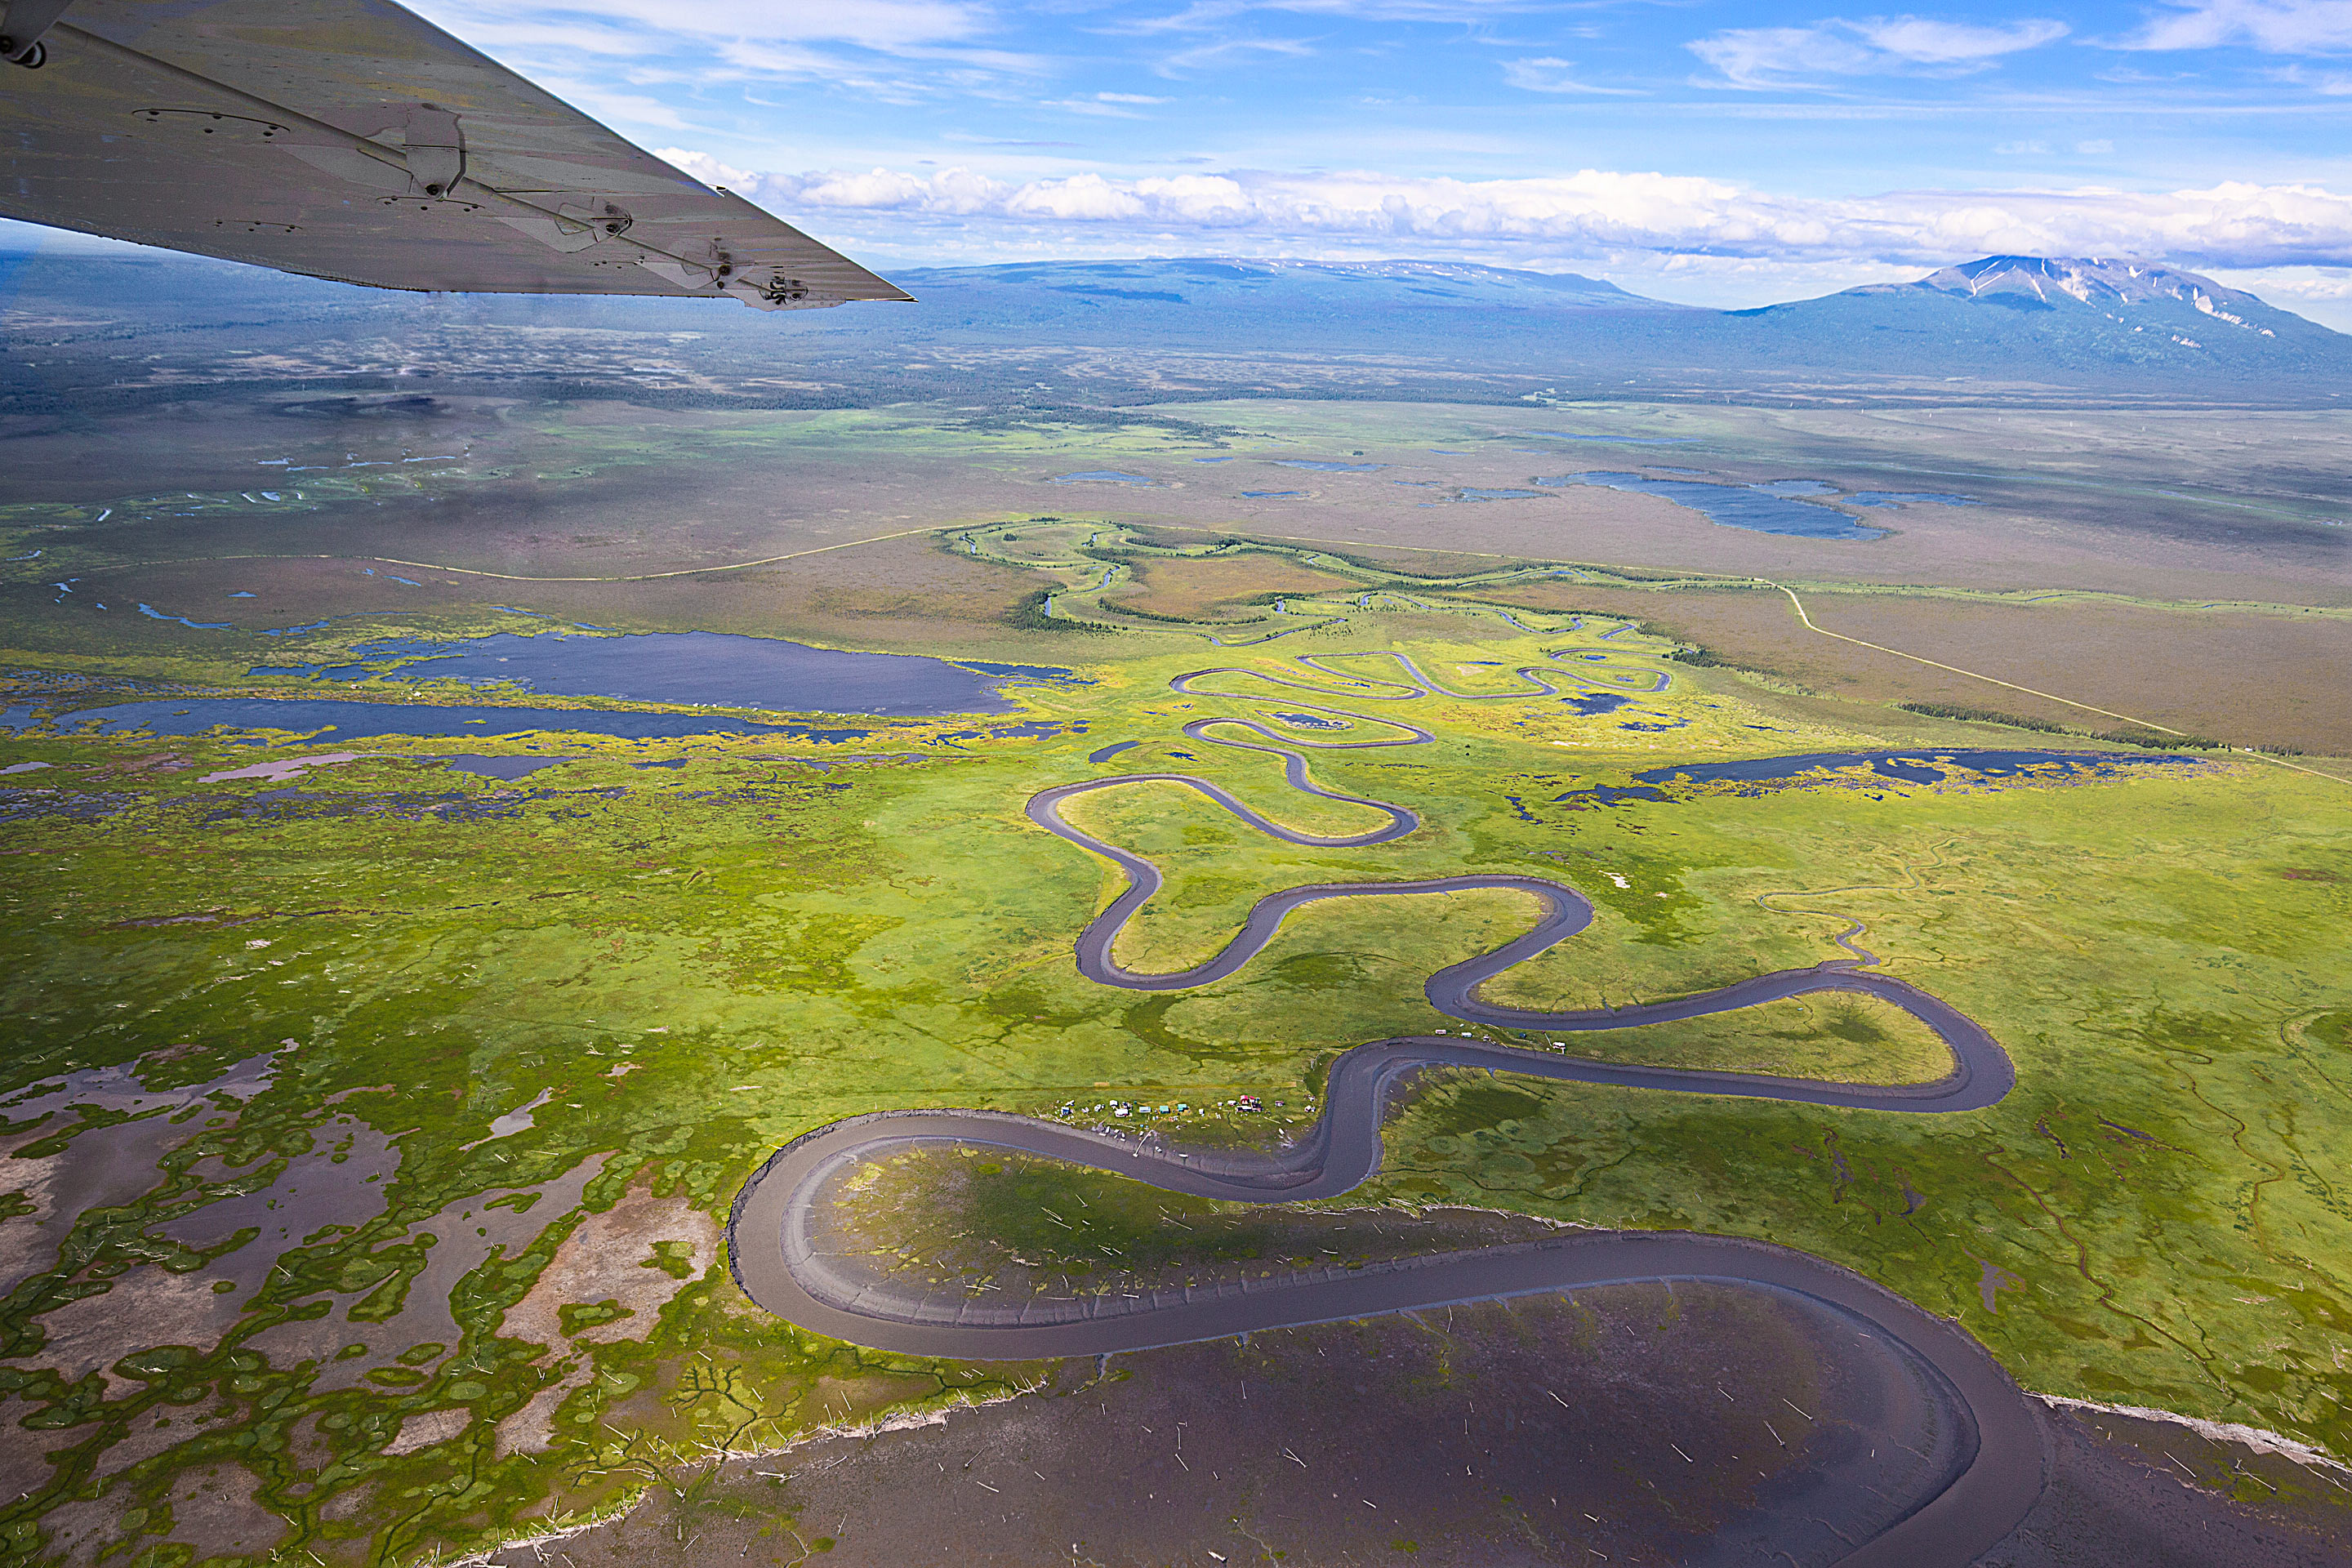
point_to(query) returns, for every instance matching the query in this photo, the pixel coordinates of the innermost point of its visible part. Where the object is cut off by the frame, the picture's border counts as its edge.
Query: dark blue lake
(1100, 477)
(714, 668)
(1328, 467)
(1735, 506)
(327, 719)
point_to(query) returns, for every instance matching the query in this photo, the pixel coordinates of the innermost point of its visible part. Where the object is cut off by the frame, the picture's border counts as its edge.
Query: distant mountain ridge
(2114, 324)
(2105, 285)
(1211, 280)
(1132, 331)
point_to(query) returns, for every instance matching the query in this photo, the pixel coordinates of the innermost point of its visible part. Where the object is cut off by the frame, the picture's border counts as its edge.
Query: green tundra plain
(477, 1066)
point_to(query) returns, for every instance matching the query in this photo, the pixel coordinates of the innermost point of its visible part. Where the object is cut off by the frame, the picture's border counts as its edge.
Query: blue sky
(1707, 151)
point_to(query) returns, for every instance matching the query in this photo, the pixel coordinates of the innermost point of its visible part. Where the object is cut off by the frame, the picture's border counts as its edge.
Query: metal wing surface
(354, 141)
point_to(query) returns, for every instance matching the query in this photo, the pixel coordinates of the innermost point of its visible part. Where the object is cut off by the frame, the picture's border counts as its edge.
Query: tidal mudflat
(1629, 1423)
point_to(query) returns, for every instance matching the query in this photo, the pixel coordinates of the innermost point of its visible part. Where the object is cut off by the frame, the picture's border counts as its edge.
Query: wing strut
(390, 144)
(439, 178)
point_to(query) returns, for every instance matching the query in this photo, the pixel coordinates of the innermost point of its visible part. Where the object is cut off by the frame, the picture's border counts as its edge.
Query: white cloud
(788, 61)
(886, 25)
(2323, 294)
(2022, 149)
(1094, 106)
(1920, 41)
(1226, 49)
(2274, 26)
(1453, 11)
(2098, 149)
(1104, 105)
(1591, 214)
(1209, 13)
(605, 103)
(1792, 57)
(1547, 74)
(1774, 56)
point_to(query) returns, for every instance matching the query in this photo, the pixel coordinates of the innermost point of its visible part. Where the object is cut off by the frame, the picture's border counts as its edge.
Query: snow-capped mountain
(2070, 318)
(2114, 288)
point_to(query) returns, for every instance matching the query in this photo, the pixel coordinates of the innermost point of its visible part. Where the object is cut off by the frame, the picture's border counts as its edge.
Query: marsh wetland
(400, 1025)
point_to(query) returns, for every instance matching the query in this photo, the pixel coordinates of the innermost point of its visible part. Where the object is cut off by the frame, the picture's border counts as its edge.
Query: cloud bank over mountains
(1591, 213)
(1795, 146)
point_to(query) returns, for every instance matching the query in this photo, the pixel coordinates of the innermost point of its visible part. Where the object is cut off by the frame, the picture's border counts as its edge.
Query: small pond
(507, 770)
(152, 613)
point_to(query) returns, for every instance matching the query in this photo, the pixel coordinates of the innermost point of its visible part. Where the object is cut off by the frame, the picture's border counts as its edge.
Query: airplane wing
(352, 140)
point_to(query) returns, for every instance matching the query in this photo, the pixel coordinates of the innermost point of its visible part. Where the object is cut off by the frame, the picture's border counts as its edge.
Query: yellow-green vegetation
(676, 969)
(1842, 1038)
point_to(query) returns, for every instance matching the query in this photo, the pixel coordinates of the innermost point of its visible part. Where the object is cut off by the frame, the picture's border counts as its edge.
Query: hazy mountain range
(2116, 325)
(1041, 335)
